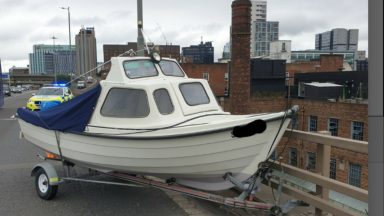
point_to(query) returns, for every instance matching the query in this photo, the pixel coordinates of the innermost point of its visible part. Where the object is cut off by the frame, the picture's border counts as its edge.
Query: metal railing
(320, 199)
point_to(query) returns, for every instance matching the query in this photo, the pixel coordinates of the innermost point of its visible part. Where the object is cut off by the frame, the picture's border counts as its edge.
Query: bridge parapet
(321, 190)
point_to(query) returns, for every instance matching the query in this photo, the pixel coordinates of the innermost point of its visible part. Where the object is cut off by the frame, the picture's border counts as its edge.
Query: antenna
(162, 33)
(147, 41)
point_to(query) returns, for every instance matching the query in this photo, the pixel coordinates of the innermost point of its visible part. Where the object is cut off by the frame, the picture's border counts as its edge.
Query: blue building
(50, 59)
(199, 54)
(362, 65)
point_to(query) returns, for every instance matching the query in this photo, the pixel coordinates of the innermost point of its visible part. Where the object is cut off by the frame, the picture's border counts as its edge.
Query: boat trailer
(47, 181)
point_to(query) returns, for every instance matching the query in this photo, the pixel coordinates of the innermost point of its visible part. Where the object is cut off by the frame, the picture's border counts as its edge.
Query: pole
(70, 42)
(140, 38)
(53, 55)
(69, 39)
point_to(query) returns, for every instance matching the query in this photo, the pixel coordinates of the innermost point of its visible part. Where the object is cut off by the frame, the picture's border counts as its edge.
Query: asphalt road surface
(18, 195)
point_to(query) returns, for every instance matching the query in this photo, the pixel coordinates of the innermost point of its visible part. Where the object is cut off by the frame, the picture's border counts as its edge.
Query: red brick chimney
(240, 77)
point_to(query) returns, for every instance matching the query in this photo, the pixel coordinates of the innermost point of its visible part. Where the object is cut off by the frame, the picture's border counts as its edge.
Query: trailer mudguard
(50, 170)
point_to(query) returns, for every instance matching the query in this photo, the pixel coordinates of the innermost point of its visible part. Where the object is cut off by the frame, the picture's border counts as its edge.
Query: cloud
(24, 23)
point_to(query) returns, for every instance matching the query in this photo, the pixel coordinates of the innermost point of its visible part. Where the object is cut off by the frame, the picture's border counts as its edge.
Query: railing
(320, 200)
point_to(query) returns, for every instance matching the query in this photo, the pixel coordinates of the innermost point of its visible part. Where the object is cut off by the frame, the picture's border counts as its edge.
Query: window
(357, 130)
(312, 123)
(226, 76)
(226, 91)
(333, 125)
(139, 68)
(354, 174)
(50, 91)
(273, 155)
(125, 103)
(163, 101)
(283, 48)
(206, 76)
(311, 161)
(332, 168)
(194, 93)
(171, 68)
(293, 156)
(295, 123)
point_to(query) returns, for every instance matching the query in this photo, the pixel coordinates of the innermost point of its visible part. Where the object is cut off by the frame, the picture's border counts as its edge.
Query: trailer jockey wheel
(275, 211)
(43, 188)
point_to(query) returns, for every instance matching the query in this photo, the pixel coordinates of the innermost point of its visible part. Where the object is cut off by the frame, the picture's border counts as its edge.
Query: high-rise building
(338, 39)
(263, 32)
(199, 54)
(259, 11)
(50, 59)
(226, 54)
(86, 55)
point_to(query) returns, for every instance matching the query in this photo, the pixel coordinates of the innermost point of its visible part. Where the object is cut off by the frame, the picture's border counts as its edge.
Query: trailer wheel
(43, 188)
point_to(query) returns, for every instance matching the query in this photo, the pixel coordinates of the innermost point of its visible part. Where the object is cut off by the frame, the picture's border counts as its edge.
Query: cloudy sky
(183, 22)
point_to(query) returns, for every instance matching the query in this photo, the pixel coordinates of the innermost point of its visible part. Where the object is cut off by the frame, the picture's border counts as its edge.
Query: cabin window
(139, 68)
(171, 68)
(126, 103)
(163, 101)
(194, 93)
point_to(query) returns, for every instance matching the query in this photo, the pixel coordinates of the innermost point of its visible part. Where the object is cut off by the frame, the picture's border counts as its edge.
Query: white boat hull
(199, 159)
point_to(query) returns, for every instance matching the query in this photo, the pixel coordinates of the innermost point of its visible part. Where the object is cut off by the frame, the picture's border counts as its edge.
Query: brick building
(327, 63)
(19, 71)
(348, 120)
(216, 74)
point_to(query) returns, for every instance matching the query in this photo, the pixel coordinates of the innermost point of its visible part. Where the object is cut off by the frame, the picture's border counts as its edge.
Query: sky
(24, 23)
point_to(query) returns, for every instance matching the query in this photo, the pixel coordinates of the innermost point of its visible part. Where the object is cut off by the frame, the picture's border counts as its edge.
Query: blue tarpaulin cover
(70, 116)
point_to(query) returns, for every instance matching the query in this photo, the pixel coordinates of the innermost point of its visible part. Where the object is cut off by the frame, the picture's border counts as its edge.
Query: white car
(80, 84)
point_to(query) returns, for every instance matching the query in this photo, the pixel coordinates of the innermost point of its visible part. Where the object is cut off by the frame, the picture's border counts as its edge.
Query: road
(18, 195)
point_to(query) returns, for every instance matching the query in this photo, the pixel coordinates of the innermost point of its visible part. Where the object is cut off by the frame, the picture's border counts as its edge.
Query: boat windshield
(139, 68)
(50, 91)
(171, 68)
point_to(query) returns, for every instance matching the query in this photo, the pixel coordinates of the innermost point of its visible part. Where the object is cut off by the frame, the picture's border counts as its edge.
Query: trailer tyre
(43, 188)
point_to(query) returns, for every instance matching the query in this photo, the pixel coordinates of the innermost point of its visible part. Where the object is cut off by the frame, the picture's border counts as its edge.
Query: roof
(317, 84)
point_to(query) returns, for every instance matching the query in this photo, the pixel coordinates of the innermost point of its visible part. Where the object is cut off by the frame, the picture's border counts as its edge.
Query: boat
(148, 118)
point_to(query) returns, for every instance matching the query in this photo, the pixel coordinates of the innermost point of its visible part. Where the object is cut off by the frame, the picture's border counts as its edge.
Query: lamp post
(53, 55)
(69, 37)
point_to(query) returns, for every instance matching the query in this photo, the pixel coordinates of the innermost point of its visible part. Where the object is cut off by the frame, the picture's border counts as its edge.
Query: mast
(140, 38)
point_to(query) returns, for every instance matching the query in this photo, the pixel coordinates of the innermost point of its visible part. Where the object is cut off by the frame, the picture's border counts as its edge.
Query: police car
(49, 96)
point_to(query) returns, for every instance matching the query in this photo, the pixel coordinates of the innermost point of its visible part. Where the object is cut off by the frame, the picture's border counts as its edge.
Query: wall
(345, 112)
(216, 75)
(327, 63)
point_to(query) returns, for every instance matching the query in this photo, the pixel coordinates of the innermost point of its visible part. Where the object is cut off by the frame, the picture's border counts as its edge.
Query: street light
(53, 56)
(69, 36)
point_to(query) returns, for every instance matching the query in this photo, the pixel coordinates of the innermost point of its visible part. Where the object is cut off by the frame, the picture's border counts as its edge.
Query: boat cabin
(142, 93)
